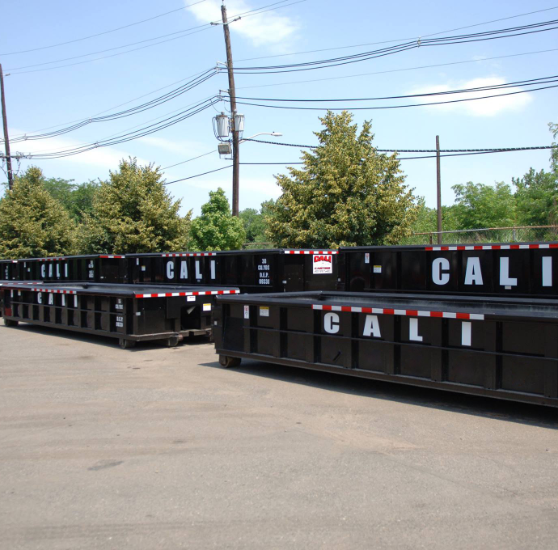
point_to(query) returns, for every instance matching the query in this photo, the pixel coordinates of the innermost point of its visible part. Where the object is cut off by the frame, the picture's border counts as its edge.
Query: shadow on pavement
(523, 413)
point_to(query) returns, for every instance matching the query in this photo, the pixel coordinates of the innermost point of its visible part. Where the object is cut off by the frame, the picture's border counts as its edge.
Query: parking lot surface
(156, 448)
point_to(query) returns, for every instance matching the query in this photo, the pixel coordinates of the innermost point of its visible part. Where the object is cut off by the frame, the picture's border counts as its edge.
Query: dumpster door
(294, 275)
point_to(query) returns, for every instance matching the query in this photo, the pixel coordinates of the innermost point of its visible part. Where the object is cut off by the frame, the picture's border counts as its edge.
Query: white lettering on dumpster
(331, 323)
(473, 274)
(547, 271)
(212, 264)
(43, 271)
(505, 279)
(372, 326)
(466, 333)
(439, 265)
(51, 299)
(198, 272)
(183, 269)
(170, 269)
(414, 336)
(39, 297)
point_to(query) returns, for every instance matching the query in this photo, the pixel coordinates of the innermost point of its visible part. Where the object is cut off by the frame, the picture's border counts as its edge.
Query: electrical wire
(382, 52)
(129, 136)
(491, 149)
(505, 85)
(195, 30)
(398, 39)
(198, 175)
(104, 32)
(290, 83)
(189, 160)
(204, 77)
(387, 107)
(109, 109)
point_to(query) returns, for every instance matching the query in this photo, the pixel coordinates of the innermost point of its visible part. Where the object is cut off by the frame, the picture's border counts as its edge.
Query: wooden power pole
(5, 125)
(439, 189)
(235, 132)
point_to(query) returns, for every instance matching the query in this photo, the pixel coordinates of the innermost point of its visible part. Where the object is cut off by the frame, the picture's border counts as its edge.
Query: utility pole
(439, 189)
(235, 132)
(6, 138)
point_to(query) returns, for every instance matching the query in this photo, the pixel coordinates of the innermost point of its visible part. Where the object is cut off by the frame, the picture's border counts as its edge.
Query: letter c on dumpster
(331, 323)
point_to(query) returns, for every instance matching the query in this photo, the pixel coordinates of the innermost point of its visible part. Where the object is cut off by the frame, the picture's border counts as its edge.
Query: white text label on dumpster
(322, 264)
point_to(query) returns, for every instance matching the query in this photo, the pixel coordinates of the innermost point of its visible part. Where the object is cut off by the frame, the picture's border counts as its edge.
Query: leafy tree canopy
(255, 222)
(478, 205)
(346, 194)
(32, 222)
(77, 199)
(216, 228)
(133, 212)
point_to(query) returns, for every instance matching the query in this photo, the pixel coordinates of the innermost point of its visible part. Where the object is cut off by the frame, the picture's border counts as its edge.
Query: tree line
(345, 194)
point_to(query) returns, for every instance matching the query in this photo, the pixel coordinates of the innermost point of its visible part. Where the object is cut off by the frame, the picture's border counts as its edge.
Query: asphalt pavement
(161, 448)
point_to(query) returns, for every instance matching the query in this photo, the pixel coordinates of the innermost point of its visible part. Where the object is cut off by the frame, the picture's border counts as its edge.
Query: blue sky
(39, 98)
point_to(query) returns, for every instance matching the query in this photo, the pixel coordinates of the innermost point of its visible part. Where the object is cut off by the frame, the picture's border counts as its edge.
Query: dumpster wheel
(126, 344)
(229, 362)
(10, 323)
(173, 341)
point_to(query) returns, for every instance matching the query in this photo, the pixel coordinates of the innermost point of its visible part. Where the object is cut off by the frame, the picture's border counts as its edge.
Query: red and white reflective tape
(49, 290)
(51, 259)
(111, 256)
(188, 254)
(201, 293)
(404, 312)
(311, 251)
(492, 247)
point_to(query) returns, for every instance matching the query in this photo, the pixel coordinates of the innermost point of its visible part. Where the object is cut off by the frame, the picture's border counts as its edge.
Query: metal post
(439, 189)
(235, 133)
(6, 138)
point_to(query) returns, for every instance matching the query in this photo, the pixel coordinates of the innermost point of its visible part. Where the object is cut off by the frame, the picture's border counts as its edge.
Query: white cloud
(480, 107)
(103, 157)
(262, 29)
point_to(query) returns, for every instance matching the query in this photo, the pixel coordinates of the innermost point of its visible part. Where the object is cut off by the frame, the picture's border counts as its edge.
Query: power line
(505, 85)
(104, 32)
(129, 136)
(189, 160)
(290, 83)
(382, 52)
(432, 103)
(485, 149)
(399, 39)
(198, 175)
(183, 34)
(112, 108)
(129, 112)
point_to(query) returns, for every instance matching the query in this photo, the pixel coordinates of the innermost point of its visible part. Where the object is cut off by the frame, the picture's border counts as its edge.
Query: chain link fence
(488, 235)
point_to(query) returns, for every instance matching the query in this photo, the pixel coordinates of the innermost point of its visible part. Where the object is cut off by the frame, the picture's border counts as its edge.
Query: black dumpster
(128, 312)
(274, 270)
(9, 270)
(100, 268)
(495, 347)
(486, 270)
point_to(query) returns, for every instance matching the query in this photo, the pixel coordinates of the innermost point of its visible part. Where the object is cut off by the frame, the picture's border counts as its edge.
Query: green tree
(346, 194)
(77, 199)
(537, 197)
(32, 223)
(478, 205)
(255, 222)
(216, 228)
(427, 221)
(133, 212)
